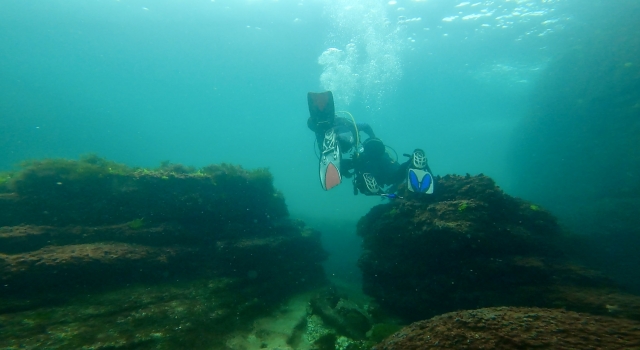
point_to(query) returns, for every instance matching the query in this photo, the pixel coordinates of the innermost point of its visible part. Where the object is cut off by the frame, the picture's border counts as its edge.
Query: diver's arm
(320, 141)
(366, 128)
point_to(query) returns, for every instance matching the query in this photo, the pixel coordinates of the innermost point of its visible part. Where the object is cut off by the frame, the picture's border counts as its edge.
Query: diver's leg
(329, 141)
(319, 139)
(346, 140)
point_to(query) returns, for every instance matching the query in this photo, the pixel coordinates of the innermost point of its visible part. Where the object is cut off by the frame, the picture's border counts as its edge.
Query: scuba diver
(373, 170)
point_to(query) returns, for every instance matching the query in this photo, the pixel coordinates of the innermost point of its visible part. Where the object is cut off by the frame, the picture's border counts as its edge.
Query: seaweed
(167, 167)
(94, 190)
(223, 169)
(5, 178)
(34, 174)
(136, 224)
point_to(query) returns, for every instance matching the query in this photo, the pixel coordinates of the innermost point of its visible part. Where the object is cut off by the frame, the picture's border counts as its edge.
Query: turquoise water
(205, 82)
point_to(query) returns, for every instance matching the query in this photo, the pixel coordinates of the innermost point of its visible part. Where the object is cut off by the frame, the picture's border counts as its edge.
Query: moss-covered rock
(193, 314)
(94, 191)
(470, 245)
(516, 328)
(219, 218)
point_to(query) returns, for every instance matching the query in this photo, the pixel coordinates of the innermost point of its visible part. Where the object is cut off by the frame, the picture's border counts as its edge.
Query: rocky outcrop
(516, 328)
(470, 245)
(79, 223)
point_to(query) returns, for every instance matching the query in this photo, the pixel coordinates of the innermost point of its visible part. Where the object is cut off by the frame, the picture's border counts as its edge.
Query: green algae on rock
(470, 245)
(191, 314)
(70, 228)
(516, 328)
(95, 191)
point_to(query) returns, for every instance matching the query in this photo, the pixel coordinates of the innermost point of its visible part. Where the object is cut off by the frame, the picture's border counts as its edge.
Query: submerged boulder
(516, 328)
(470, 245)
(66, 223)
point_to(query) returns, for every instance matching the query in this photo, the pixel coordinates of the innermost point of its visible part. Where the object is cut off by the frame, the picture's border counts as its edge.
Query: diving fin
(321, 110)
(330, 176)
(420, 181)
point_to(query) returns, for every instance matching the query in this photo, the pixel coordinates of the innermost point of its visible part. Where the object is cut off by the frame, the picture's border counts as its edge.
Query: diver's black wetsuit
(386, 171)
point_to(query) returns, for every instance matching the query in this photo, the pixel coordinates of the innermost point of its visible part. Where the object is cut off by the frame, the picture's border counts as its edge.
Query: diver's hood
(373, 147)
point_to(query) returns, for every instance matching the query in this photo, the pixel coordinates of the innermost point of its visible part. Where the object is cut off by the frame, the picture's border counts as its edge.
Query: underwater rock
(66, 223)
(25, 238)
(60, 266)
(96, 192)
(346, 317)
(516, 328)
(190, 314)
(470, 245)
